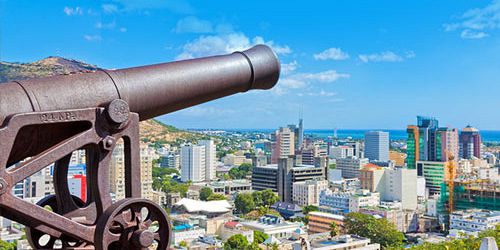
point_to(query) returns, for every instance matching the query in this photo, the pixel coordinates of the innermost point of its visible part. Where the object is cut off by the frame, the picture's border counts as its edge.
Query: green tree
(269, 197)
(183, 244)
(205, 192)
(7, 246)
(236, 242)
(378, 230)
(216, 197)
(310, 208)
(334, 229)
(244, 203)
(259, 237)
(257, 198)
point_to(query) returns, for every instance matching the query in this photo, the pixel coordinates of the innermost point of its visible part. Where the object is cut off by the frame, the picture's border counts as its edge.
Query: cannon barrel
(149, 90)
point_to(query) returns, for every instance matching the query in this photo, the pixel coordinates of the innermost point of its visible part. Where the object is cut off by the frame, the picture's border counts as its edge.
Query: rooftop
(195, 206)
(327, 215)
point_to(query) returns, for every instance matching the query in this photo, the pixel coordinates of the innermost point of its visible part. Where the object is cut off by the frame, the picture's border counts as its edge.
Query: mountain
(150, 130)
(47, 67)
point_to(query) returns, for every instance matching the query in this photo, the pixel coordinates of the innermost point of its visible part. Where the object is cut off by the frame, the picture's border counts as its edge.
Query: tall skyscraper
(283, 145)
(427, 142)
(377, 146)
(193, 163)
(301, 133)
(198, 162)
(470, 143)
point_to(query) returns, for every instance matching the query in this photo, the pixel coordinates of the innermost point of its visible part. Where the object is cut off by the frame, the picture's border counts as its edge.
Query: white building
(210, 159)
(400, 185)
(346, 202)
(273, 226)
(350, 166)
(198, 162)
(377, 146)
(338, 152)
(472, 221)
(283, 145)
(306, 193)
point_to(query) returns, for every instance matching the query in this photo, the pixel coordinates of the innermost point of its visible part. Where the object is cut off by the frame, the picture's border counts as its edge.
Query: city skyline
(439, 65)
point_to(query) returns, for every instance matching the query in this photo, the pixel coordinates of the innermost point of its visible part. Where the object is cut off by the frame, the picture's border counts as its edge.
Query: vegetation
(310, 208)
(261, 211)
(244, 203)
(216, 197)
(241, 171)
(259, 237)
(205, 192)
(334, 229)
(332, 166)
(378, 230)
(469, 242)
(7, 246)
(239, 242)
(183, 244)
(164, 182)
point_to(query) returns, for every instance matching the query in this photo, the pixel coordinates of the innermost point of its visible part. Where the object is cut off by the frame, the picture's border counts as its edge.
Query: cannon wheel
(133, 223)
(41, 240)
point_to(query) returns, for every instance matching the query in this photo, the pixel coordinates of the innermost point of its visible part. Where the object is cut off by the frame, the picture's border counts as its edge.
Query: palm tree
(334, 229)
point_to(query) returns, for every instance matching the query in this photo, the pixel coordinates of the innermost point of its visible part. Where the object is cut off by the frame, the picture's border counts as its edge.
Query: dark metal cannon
(42, 121)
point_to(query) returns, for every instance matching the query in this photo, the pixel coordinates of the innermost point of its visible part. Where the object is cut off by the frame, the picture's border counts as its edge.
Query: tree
(7, 246)
(183, 244)
(334, 229)
(205, 192)
(309, 208)
(259, 237)
(236, 242)
(378, 230)
(244, 203)
(269, 197)
(216, 197)
(257, 198)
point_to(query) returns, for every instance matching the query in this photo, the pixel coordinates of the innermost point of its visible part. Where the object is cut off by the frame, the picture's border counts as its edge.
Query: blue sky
(346, 64)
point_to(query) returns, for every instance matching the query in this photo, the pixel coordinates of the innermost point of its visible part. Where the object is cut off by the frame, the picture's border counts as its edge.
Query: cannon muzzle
(149, 90)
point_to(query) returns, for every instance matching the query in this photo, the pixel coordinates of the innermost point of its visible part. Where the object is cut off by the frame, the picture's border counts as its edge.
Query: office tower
(210, 159)
(434, 174)
(313, 150)
(283, 145)
(337, 152)
(427, 142)
(265, 177)
(148, 155)
(470, 143)
(301, 133)
(356, 146)
(350, 166)
(447, 143)
(289, 172)
(193, 163)
(306, 193)
(377, 146)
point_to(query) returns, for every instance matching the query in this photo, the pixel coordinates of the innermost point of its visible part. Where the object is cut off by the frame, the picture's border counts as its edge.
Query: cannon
(43, 121)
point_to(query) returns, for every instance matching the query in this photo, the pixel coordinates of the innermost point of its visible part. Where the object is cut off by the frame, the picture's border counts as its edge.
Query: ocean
(486, 135)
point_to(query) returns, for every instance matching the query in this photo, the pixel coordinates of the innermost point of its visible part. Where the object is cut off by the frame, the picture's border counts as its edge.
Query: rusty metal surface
(44, 121)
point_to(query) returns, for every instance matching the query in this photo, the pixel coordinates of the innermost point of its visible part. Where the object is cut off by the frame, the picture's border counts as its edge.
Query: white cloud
(474, 22)
(92, 38)
(109, 8)
(331, 54)
(207, 111)
(471, 34)
(192, 24)
(224, 44)
(101, 25)
(177, 6)
(302, 80)
(386, 56)
(73, 11)
(287, 68)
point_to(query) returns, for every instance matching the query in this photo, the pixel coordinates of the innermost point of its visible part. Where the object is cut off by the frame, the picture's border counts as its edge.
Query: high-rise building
(301, 133)
(290, 171)
(434, 174)
(470, 143)
(427, 142)
(198, 162)
(312, 151)
(337, 152)
(210, 159)
(377, 145)
(350, 166)
(117, 171)
(283, 145)
(193, 163)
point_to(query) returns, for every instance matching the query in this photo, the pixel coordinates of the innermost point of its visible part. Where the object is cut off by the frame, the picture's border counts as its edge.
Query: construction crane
(450, 181)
